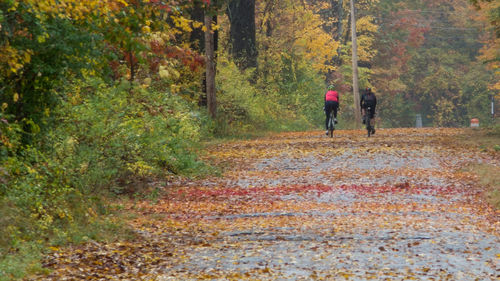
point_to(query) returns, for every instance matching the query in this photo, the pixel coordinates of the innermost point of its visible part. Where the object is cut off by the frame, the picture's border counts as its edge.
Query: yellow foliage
(490, 52)
(366, 38)
(365, 24)
(318, 46)
(300, 30)
(197, 24)
(75, 9)
(140, 168)
(182, 23)
(365, 50)
(146, 29)
(15, 59)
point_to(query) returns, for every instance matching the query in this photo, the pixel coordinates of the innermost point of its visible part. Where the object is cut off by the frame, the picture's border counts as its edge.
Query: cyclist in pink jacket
(331, 103)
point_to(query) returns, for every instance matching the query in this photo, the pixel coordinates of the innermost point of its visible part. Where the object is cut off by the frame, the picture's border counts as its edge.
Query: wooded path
(400, 205)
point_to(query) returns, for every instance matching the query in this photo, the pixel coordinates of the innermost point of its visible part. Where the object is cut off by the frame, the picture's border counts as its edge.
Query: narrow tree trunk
(355, 87)
(210, 67)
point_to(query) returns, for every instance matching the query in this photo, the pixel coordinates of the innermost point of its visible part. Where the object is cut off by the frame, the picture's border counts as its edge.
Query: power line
(445, 28)
(423, 24)
(427, 11)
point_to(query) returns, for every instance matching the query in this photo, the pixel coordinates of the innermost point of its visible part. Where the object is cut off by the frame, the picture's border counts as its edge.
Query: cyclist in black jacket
(368, 99)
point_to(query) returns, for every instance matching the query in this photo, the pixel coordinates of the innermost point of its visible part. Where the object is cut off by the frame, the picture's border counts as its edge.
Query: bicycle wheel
(331, 126)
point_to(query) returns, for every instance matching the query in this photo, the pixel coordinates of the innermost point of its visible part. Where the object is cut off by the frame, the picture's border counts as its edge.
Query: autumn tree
(488, 17)
(492, 11)
(424, 52)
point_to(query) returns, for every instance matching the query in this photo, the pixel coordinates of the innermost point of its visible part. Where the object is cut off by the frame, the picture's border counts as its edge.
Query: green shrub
(241, 109)
(124, 134)
(247, 105)
(494, 129)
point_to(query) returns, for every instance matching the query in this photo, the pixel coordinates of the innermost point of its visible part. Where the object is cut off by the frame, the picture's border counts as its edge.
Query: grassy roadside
(486, 140)
(20, 258)
(489, 177)
(483, 139)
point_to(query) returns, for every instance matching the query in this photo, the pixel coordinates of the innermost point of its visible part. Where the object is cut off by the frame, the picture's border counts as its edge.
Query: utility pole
(210, 66)
(355, 86)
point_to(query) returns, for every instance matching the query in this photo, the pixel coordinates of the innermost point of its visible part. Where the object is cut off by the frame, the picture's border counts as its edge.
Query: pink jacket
(332, 96)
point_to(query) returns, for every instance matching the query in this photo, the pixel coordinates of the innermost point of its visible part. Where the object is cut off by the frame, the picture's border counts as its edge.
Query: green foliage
(301, 89)
(24, 261)
(292, 100)
(125, 134)
(494, 129)
(239, 110)
(68, 140)
(109, 139)
(38, 54)
(400, 106)
(38, 202)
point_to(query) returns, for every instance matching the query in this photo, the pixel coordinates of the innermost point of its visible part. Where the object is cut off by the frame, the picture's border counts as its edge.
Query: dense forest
(103, 98)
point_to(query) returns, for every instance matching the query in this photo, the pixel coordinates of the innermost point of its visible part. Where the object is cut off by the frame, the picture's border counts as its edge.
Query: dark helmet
(368, 90)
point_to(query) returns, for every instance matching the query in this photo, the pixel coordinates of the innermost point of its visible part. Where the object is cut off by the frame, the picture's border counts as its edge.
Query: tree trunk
(355, 86)
(210, 67)
(197, 39)
(241, 15)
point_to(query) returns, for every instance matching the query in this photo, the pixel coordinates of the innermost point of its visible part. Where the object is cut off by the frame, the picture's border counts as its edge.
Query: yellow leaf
(15, 97)
(146, 29)
(123, 2)
(14, 7)
(40, 38)
(27, 57)
(197, 24)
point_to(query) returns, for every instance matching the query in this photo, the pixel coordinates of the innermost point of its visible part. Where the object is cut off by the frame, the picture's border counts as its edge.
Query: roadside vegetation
(486, 140)
(489, 177)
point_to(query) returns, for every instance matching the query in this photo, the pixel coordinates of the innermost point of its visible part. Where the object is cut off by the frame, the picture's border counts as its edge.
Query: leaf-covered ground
(301, 206)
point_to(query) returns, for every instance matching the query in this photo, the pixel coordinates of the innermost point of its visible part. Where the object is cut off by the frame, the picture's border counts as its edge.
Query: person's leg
(335, 109)
(372, 120)
(327, 113)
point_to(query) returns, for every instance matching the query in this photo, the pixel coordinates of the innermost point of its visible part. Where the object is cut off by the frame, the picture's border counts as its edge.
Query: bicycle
(367, 120)
(331, 125)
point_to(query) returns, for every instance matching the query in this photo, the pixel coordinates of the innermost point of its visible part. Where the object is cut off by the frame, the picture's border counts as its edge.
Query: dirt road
(301, 206)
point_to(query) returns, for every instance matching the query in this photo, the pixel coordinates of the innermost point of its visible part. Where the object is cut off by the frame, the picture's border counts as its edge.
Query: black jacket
(368, 99)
